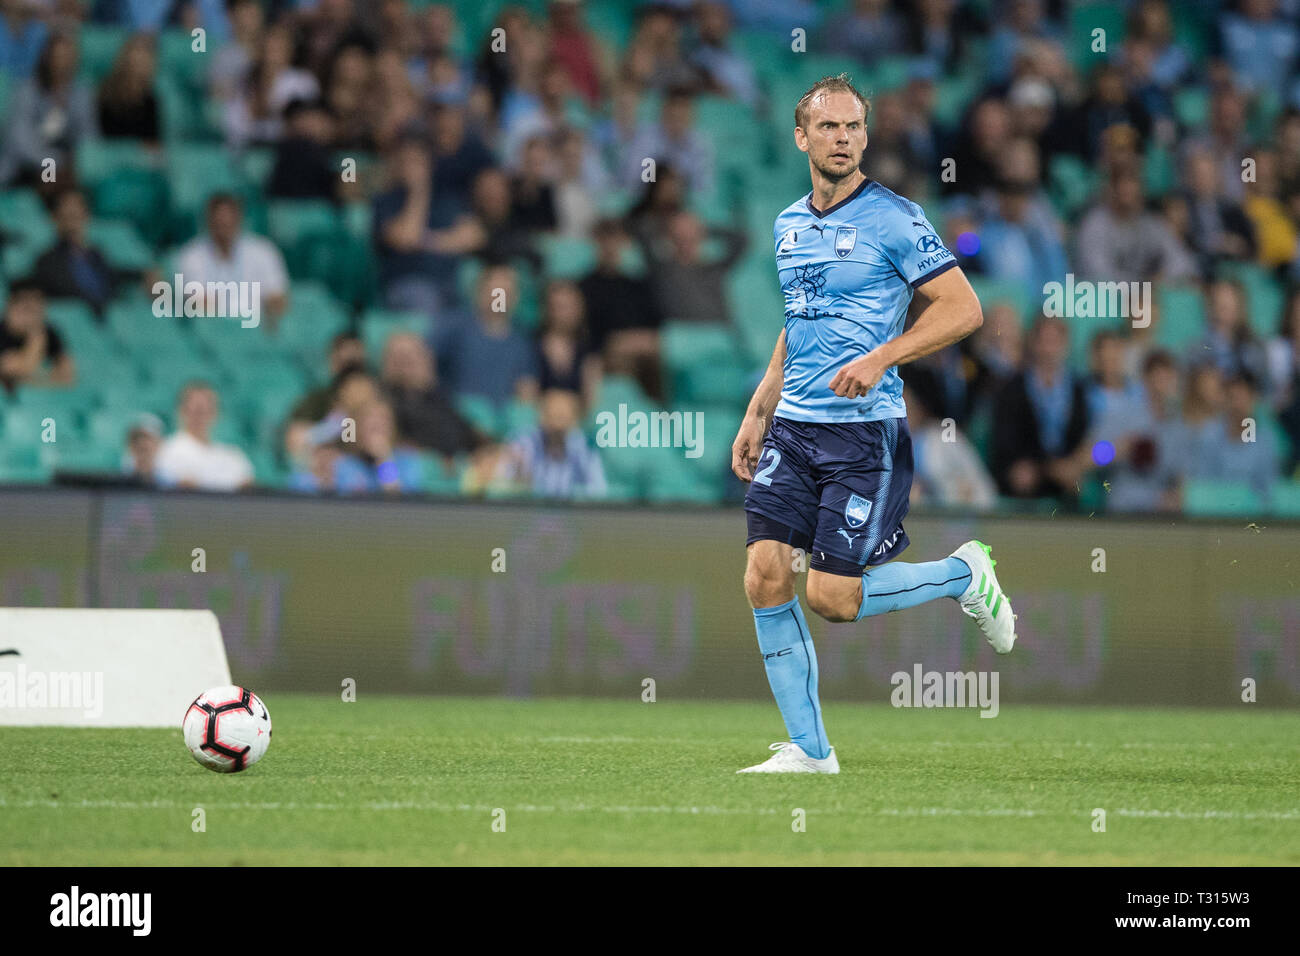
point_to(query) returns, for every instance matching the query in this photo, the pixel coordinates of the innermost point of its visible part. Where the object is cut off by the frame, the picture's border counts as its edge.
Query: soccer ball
(227, 729)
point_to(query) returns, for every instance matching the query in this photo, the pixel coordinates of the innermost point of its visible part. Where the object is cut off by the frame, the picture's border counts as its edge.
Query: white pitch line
(422, 805)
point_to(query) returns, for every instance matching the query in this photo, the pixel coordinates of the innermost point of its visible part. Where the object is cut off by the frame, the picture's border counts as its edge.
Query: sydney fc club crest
(856, 511)
(846, 237)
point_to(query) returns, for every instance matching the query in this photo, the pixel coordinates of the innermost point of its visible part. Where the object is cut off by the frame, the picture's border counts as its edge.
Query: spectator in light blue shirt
(553, 459)
(1249, 452)
(1109, 387)
(49, 115)
(1260, 46)
(22, 37)
(1020, 235)
(485, 356)
(730, 73)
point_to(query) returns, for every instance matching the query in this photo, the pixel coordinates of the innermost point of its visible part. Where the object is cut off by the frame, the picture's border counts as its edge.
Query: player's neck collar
(822, 214)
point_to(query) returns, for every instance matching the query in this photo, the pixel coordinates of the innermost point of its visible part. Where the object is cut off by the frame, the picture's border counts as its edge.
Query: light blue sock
(894, 586)
(792, 673)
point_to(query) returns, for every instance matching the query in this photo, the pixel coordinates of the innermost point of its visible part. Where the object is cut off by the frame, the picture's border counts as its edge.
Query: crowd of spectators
(540, 128)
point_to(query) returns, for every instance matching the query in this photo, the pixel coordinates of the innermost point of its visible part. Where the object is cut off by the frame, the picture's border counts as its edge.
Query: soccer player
(831, 475)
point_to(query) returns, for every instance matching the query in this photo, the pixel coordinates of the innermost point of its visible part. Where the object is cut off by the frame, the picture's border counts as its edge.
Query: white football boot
(983, 599)
(790, 758)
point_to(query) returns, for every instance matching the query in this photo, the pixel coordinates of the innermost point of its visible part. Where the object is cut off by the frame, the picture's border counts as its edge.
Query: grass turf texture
(404, 780)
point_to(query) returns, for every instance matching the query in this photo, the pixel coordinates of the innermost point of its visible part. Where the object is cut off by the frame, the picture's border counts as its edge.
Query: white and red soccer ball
(227, 729)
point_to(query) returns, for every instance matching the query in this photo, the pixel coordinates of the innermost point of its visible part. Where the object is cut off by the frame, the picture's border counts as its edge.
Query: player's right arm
(749, 440)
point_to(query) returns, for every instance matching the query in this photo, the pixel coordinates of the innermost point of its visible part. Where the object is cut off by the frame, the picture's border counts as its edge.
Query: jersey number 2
(764, 477)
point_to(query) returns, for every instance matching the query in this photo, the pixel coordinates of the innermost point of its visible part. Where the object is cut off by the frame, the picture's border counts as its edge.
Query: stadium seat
(194, 172)
(992, 292)
(436, 479)
(1285, 500)
(1208, 498)
(1182, 316)
(378, 324)
(98, 46)
(519, 417)
(1192, 107)
(179, 62)
(97, 159)
(27, 228)
(1086, 17)
(1071, 183)
(1265, 296)
(289, 221)
(137, 195)
(121, 244)
(482, 413)
(567, 258)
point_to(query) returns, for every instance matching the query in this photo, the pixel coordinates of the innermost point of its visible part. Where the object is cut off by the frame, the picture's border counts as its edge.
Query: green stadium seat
(436, 479)
(87, 457)
(1159, 175)
(519, 417)
(194, 172)
(1086, 17)
(139, 196)
(289, 221)
(482, 413)
(97, 159)
(267, 470)
(992, 292)
(121, 244)
(344, 263)
(268, 374)
(953, 94)
(1285, 500)
(567, 258)
(256, 163)
(179, 62)
(1264, 294)
(98, 46)
(29, 424)
(182, 112)
(684, 344)
(1192, 107)
(378, 324)
(1182, 316)
(133, 323)
(24, 219)
(1071, 183)
(1207, 498)
(671, 479)
(107, 427)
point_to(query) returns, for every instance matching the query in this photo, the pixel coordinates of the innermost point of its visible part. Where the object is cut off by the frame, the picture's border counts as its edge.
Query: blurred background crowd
(475, 226)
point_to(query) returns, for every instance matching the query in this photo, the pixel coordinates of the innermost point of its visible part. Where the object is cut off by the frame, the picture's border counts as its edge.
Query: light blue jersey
(847, 274)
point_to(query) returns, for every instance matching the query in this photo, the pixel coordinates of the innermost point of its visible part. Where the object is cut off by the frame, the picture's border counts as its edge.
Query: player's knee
(834, 598)
(768, 582)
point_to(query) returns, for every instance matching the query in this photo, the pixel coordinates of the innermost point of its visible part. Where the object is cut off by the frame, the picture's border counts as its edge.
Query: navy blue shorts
(837, 490)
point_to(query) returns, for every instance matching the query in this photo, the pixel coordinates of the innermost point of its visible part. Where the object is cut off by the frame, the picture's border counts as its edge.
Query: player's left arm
(949, 311)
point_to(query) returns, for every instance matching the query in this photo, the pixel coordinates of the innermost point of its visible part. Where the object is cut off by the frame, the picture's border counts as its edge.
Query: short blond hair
(829, 84)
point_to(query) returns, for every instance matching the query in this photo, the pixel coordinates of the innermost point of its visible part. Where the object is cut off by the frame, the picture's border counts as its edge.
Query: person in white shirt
(228, 254)
(190, 458)
(948, 470)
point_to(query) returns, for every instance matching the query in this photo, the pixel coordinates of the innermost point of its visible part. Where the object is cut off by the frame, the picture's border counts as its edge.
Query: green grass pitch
(416, 780)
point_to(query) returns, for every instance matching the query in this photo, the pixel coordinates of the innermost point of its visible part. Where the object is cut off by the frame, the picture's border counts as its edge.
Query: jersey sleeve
(911, 243)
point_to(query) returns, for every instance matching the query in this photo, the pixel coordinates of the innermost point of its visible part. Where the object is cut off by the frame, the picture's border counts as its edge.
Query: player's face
(836, 134)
